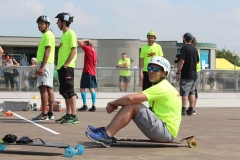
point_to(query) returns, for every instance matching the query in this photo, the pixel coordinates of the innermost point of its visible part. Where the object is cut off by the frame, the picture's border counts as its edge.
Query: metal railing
(108, 80)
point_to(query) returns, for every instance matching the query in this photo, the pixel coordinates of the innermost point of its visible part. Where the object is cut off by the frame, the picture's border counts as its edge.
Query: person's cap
(188, 36)
(33, 58)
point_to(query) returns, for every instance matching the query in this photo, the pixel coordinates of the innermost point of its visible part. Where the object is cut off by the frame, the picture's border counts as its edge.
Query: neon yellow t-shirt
(167, 105)
(48, 39)
(125, 72)
(67, 42)
(198, 64)
(148, 52)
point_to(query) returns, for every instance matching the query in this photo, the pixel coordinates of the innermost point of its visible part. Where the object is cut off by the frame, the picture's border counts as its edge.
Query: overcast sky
(211, 21)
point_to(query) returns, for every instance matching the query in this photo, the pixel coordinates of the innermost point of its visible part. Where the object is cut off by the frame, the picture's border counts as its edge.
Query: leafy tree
(228, 56)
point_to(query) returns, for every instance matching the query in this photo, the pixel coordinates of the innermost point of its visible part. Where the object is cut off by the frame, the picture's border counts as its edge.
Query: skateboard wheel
(1, 109)
(69, 152)
(79, 149)
(192, 143)
(2, 147)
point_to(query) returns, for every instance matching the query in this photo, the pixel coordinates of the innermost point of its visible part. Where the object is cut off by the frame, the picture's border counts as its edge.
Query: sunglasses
(154, 69)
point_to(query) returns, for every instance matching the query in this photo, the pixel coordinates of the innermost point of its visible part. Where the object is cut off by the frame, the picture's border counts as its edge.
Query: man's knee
(69, 95)
(134, 108)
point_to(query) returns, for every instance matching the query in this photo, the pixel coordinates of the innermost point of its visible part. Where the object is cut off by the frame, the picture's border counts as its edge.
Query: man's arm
(81, 42)
(180, 65)
(72, 54)
(46, 55)
(1, 51)
(130, 99)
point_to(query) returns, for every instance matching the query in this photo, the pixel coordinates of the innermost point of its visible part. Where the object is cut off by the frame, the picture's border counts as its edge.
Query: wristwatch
(177, 73)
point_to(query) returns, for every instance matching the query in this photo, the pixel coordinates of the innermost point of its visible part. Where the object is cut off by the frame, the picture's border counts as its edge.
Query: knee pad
(69, 95)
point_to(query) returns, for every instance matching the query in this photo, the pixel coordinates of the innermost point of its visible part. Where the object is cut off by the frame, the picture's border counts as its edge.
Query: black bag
(15, 73)
(10, 138)
(24, 140)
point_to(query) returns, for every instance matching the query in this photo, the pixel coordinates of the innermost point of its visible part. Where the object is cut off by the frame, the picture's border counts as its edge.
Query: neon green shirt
(67, 42)
(125, 72)
(148, 52)
(198, 64)
(167, 105)
(48, 39)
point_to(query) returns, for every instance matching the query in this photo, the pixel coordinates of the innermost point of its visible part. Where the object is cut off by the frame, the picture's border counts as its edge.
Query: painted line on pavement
(47, 129)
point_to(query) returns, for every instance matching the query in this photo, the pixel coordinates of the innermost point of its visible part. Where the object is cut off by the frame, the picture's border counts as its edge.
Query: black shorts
(88, 81)
(66, 80)
(146, 83)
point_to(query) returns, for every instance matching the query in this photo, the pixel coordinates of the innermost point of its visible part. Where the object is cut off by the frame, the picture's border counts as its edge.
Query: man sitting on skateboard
(160, 123)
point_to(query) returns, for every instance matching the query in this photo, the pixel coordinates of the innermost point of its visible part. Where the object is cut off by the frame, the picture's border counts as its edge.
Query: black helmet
(65, 17)
(43, 18)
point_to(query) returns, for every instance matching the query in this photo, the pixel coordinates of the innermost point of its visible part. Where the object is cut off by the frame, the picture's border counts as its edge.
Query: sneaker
(60, 119)
(70, 120)
(95, 130)
(50, 116)
(190, 111)
(184, 111)
(84, 108)
(194, 111)
(101, 138)
(92, 109)
(40, 117)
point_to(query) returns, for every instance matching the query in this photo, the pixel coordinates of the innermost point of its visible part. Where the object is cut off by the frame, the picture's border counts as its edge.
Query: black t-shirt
(190, 56)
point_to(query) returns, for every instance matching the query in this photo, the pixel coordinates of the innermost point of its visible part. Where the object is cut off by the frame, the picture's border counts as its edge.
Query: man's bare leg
(126, 87)
(72, 103)
(120, 86)
(50, 99)
(191, 99)
(44, 98)
(185, 101)
(68, 106)
(123, 118)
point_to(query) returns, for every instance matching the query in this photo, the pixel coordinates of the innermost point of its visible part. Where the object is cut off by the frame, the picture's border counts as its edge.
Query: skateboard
(68, 150)
(191, 142)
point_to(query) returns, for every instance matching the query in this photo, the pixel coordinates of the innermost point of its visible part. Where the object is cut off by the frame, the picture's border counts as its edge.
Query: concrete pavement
(216, 129)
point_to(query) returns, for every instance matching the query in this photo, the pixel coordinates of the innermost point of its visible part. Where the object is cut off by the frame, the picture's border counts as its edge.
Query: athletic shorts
(187, 86)
(152, 127)
(47, 78)
(146, 83)
(88, 81)
(66, 80)
(125, 79)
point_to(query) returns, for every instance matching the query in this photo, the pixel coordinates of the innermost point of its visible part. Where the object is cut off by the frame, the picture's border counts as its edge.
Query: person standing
(172, 76)
(32, 77)
(88, 79)
(194, 42)
(1, 53)
(45, 68)
(187, 68)
(148, 51)
(8, 73)
(125, 75)
(67, 55)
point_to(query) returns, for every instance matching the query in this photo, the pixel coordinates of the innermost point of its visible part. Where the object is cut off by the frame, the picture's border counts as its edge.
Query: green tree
(228, 56)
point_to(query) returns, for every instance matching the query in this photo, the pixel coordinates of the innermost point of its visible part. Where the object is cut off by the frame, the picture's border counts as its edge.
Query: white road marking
(47, 129)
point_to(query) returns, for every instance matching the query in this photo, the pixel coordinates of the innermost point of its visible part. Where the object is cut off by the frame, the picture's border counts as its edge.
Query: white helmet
(163, 62)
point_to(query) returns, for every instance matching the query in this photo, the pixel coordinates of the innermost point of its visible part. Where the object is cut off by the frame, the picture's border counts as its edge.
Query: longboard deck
(68, 150)
(47, 144)
(191, 142)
